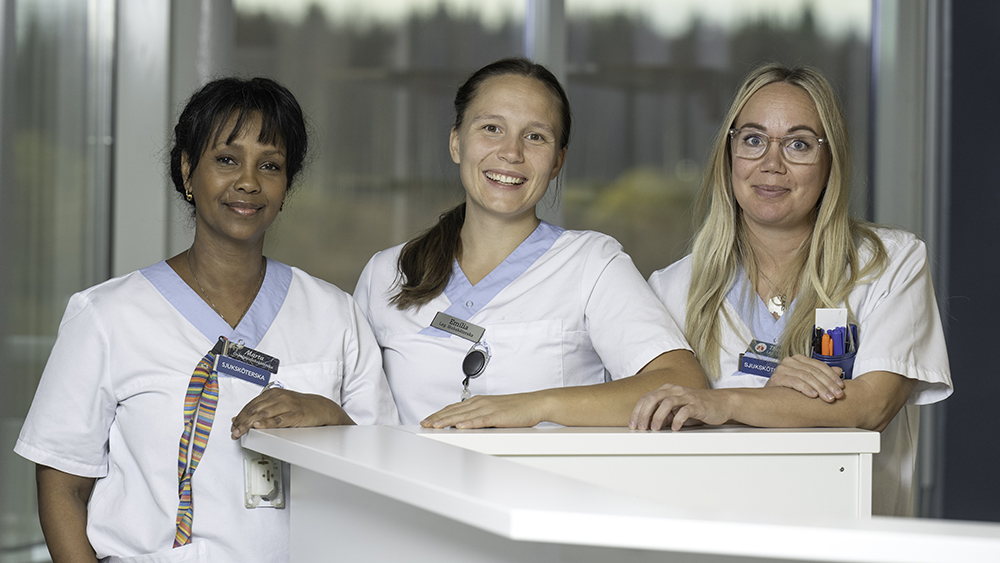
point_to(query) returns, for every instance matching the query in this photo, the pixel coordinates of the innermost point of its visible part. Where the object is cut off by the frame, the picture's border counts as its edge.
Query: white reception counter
(594, 494)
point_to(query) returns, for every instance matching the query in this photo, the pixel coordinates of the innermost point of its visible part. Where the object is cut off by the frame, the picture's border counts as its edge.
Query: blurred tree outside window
(648, 83)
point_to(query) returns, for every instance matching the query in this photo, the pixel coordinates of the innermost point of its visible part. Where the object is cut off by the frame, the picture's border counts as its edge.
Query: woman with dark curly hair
(146, 365)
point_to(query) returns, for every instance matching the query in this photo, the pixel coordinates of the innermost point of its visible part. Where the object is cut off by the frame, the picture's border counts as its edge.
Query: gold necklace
(260, 282)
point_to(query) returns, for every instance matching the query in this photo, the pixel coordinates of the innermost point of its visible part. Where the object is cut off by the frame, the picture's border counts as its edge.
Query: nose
(247, 181)
(511, 149)
(773, 160)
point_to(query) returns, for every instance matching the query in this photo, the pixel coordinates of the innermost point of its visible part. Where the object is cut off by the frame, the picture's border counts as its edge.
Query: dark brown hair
(425, 263)
(209, 109)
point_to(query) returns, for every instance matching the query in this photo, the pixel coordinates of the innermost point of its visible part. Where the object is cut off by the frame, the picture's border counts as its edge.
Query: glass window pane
(377, 80)
(54, 216)
(650, 83)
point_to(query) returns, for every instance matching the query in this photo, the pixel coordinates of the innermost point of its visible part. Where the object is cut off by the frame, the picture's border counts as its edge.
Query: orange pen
(827, 345)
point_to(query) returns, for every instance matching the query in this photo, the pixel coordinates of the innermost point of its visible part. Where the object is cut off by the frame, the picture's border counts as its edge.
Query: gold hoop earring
(189, 196)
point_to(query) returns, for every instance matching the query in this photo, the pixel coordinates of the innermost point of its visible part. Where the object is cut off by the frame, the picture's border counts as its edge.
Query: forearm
(281, 408)
(870, 402)
(62, 511)
(611, 403)
(335, 415)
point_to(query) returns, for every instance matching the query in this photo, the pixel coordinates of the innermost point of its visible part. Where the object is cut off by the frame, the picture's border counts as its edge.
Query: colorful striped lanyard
(199, 412)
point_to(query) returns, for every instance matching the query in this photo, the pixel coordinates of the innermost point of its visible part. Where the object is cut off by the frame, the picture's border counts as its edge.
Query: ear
(186, 171)
(454, 146)
(557, 167)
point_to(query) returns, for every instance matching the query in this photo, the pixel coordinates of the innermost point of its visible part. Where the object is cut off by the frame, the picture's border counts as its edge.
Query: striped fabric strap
(199, 412)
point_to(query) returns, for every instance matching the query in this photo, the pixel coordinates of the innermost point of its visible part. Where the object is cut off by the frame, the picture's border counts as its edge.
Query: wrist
(732, 403)
(338, 416)
(544, 405)
(324, 411)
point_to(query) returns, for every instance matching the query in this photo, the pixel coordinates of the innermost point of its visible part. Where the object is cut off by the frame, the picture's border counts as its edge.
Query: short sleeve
(629, 327)
(376, 282)
(899, 324)
(362, 291)
(68, 425)
(365, 394)
(670, 285)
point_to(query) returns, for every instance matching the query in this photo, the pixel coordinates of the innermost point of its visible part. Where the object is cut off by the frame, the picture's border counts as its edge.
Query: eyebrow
(266, 154)
(792, 130)
(274, 152)
(534, 124)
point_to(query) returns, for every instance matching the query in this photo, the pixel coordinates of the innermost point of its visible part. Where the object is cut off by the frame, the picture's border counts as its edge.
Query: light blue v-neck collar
(252, 327)
(467, 299)
(753, 311)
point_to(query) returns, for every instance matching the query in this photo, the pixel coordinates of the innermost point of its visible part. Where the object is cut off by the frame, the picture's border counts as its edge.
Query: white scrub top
(563, 307)
(110, 405)
(899, 331)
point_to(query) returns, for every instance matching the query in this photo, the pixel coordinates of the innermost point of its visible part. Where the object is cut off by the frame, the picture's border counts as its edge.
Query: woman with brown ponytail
(524, 319)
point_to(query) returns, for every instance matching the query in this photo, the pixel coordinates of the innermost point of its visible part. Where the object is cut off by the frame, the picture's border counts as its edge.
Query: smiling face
(238, 187)
(507, 146)
(773, 193)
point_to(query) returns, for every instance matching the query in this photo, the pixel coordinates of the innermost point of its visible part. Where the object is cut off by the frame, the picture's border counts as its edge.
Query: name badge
(761, 348)
(757, 365)
(245, 354)
(458, 327)
(254, 358)
(242, 370)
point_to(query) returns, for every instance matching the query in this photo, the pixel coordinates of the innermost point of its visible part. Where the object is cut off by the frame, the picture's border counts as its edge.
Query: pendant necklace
(777, 303)
(260, 282)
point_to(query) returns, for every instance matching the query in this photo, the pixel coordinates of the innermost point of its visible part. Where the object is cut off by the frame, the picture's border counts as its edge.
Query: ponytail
(425, 264)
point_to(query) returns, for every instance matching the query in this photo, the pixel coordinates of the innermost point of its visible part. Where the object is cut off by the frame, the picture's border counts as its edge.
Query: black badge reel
(473, 365)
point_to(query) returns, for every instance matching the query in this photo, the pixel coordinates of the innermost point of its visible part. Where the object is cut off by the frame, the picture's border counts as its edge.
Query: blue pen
(837, 335)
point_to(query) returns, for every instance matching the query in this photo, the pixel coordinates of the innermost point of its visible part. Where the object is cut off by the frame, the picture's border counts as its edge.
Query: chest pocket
(195, 552)
(320, 378)
(525, 357)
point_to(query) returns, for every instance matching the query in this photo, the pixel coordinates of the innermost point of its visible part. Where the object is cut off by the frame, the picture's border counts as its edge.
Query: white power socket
(262, 486)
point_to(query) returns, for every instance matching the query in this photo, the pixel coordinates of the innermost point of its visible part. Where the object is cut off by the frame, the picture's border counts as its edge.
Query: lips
(507, 180)
(244, 208)
(764, 190)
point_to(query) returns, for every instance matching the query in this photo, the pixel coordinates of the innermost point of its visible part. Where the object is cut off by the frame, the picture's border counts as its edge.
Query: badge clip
(474, 365)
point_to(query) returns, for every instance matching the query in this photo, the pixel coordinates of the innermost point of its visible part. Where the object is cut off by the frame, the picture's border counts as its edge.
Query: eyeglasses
(751, 144)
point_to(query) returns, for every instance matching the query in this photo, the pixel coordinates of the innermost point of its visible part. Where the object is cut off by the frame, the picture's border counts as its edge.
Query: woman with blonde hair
(777, 244)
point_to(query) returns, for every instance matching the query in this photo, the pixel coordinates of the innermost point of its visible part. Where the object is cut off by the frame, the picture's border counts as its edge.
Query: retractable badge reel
(473, 365)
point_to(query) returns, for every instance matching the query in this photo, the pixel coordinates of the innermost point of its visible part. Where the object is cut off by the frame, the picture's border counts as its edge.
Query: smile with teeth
(504, 179)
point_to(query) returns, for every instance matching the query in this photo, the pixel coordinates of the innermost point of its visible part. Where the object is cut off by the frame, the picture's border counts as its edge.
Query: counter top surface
(734, 440)
(525, 503)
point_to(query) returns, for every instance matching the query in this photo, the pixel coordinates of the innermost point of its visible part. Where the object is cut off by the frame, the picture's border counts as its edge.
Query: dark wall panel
(972, 435)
